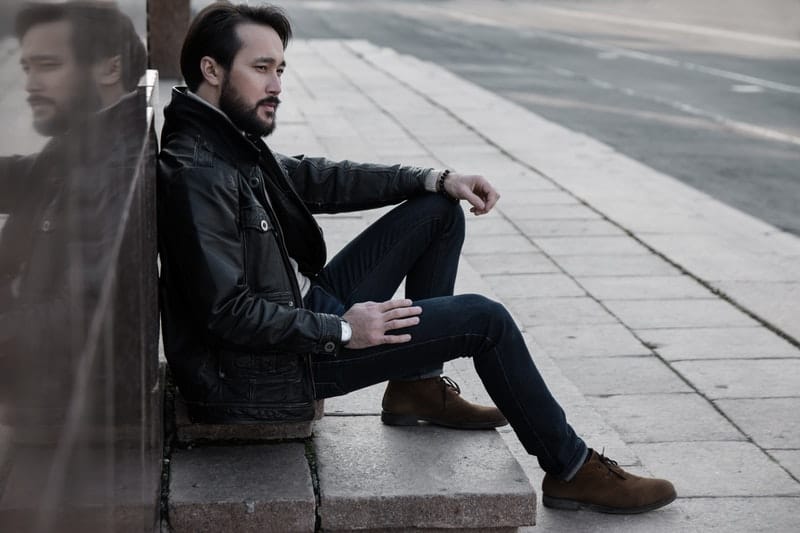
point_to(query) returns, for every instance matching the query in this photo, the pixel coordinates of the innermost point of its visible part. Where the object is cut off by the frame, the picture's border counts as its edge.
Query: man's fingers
(474, 200)
(491, 200)
(402, 312)
(388, 305)
(396, 339)
(402, 323)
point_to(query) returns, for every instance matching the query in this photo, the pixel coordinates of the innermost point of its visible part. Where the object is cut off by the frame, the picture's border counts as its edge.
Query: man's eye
(261, 68)
(280, 72)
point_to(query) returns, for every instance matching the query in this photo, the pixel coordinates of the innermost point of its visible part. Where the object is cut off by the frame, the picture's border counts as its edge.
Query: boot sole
(391, 419)
(572, 505)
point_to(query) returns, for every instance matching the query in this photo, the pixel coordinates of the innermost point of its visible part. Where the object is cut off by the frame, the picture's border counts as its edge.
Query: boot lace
(449, 384)
(611, 464)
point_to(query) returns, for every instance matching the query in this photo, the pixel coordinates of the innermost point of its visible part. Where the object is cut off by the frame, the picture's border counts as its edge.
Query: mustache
(273, 100)
(33, 100)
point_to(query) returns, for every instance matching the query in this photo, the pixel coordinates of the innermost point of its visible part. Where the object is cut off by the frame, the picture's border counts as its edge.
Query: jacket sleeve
(13, 177)
(205, 250)
(338, 186)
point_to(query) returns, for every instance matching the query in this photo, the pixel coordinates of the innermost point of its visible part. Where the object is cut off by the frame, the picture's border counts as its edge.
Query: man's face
(249, 90)
(58, 88)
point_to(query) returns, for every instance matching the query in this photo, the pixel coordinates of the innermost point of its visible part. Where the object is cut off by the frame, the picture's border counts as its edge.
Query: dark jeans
(421, 241)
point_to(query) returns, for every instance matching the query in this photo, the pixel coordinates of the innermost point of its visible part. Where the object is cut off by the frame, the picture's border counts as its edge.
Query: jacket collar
(189, 114)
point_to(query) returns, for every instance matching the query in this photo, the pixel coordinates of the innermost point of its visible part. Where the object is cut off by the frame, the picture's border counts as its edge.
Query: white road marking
(747, 89)
(736, 125)
(678, 27)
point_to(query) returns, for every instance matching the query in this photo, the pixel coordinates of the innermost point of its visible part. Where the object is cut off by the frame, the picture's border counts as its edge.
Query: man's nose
(274, 85)
(33, 83)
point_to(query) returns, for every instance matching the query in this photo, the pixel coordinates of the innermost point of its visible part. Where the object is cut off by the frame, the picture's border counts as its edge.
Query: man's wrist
(440, 185)
(347, 332)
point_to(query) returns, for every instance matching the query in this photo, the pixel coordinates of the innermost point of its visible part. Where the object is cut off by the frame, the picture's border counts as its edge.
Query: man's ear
(212, 72)
(108, 72)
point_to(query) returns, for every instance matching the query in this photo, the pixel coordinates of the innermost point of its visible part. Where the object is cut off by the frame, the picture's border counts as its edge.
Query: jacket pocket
(265, 269)
(267, 378)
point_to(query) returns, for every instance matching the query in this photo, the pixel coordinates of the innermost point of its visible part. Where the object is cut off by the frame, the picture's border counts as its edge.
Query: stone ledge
(188, 432)
(374, 477)
(264, 488)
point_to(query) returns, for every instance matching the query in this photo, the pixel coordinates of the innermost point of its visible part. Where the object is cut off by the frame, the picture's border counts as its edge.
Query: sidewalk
(666, 323)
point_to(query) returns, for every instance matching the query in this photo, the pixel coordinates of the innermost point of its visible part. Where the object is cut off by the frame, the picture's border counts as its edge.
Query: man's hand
(370, 321)
(474, 189)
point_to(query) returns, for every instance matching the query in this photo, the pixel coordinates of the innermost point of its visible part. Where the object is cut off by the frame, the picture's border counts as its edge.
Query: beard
(242, 115)
(67, 115)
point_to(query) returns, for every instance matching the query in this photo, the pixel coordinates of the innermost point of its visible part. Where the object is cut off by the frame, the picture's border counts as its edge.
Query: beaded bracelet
(440, 186)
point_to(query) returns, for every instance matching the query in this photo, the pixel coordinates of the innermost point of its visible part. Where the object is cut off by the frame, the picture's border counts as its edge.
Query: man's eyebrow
(40, 57)
(269, 61)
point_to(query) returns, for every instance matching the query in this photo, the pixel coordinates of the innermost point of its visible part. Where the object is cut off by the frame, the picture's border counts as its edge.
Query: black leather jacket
(231, 214)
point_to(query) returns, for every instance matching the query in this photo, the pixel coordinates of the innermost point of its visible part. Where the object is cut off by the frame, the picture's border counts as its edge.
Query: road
(709, 95)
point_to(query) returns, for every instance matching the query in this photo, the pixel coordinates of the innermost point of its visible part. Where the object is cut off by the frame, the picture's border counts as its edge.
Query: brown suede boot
(601, 485)
(436, 401)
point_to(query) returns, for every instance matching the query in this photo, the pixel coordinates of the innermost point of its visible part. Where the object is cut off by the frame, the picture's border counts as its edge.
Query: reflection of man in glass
(82, 63)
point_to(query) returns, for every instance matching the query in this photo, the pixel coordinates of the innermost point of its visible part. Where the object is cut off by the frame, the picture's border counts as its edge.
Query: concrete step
(264, 488)
(375, 477)
(188, 432)
(371, 477)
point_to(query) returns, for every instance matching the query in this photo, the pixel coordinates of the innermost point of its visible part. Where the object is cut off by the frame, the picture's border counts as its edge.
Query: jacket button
(330, 346)
(264, 225)
(45, 225)
(290, 304)
(254, 182)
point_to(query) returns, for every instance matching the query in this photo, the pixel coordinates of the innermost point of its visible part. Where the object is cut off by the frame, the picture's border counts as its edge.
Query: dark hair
(212, 33)
(99, 31)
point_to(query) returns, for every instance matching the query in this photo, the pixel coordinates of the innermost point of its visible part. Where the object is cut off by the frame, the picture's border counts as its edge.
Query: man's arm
(205, 249)
(337, 186)
(330, 187)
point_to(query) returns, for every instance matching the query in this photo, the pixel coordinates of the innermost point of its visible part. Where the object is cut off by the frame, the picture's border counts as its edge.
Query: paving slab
(568, 228)
(717, 469)
(687, 313)
(603, 376)
(242, 488)
(609, 265)
(778, 303)
(595, 245)
(538, 198)
(740, 515)
(492, 244)
(600, 340)
(549, 212)
(665, 418)
(644, 288)
(717, 343)
(770, 422)
(742, 378)
(559, 311)
(374, 476)
(512, 263)
(488, 225)
(554, 285)
(788, 459)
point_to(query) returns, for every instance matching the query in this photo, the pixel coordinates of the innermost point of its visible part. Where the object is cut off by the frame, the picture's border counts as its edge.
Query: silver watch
(347, 332)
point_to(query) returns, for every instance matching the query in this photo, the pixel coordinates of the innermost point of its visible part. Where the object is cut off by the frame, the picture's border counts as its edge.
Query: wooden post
(167, 22)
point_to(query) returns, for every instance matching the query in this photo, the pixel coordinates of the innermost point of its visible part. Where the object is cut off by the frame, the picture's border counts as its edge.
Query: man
(82, 63)
(244, 274)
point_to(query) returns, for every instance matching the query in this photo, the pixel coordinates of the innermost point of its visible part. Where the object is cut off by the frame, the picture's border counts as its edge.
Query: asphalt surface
(701, 95)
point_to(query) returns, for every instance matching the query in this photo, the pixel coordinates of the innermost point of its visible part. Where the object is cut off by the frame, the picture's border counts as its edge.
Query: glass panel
(80, 400)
